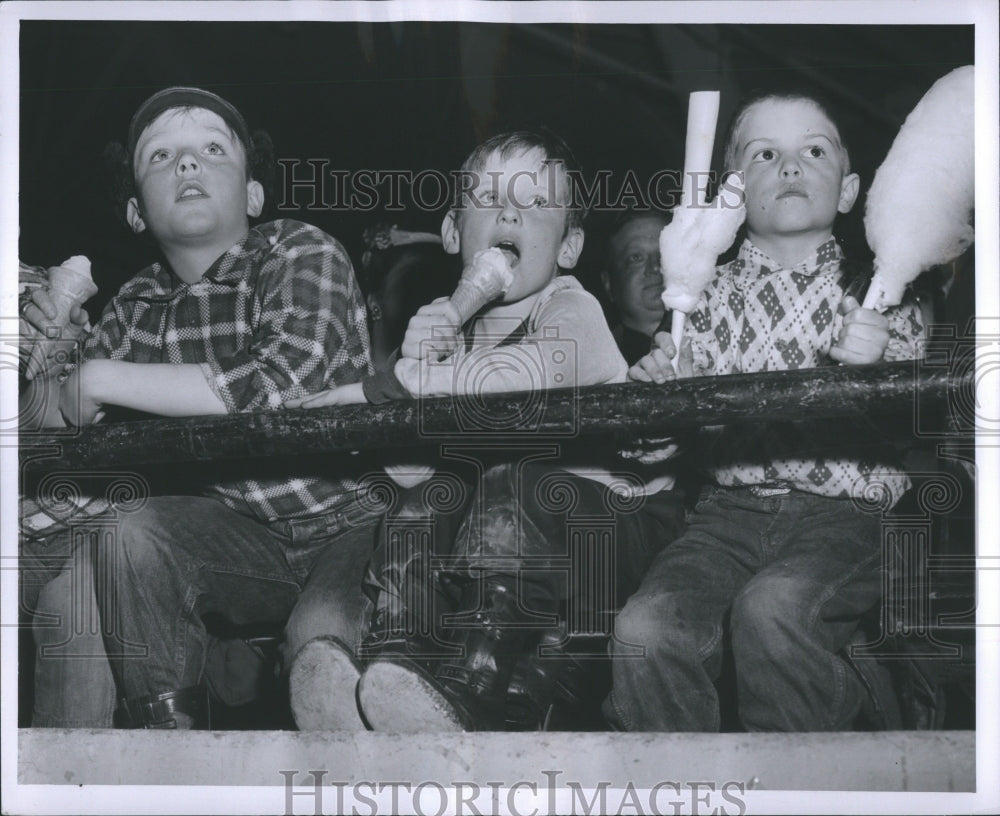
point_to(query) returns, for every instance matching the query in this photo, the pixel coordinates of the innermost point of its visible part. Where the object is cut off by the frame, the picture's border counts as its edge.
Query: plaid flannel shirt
(277, 316)
(759, 316)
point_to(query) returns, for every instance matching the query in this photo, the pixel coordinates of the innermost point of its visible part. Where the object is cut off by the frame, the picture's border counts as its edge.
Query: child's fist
(863, 337)
(78, 400)
(432, 332)
(657, 366)
(49, 343)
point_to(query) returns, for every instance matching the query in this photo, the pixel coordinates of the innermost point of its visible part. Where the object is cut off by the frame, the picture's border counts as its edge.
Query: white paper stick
(677, 335)
(703, 116)
(875, 296)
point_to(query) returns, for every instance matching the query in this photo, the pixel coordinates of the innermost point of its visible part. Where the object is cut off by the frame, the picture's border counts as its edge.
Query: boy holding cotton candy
(786, 543)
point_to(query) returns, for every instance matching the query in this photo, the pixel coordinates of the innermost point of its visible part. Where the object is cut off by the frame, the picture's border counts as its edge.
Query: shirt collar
(755, 262)
(157, 282)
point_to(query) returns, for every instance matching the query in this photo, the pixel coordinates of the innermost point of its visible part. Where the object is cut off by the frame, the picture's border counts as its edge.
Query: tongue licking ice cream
(917, 210)
(484, 280)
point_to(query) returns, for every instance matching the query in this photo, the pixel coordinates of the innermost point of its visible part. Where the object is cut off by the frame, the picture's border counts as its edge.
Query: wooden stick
(620, 412)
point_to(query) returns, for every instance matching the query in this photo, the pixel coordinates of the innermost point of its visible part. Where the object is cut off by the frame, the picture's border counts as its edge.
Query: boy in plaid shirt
(231, 319)
(786, 542)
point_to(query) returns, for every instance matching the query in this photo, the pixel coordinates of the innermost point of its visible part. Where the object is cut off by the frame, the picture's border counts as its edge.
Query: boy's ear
(570, 249)
(133, 216)
(848, 192)
(450, 238)
(255, 198)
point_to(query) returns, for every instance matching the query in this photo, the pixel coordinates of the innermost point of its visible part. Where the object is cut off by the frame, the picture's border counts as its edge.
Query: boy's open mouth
(191, 190)
(510, 252)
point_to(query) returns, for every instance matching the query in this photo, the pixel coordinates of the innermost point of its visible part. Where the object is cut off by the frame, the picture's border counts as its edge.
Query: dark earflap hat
(118, 158)
(183, 97)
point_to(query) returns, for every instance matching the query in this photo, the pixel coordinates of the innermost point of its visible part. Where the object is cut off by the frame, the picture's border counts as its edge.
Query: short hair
(788, 93)
(514, 142)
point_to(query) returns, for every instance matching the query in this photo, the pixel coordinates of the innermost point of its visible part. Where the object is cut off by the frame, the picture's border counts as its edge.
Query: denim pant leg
(534, 521)
(667, 650)
(74, 687)
(793, 618)
(332, 600)
(172, 561)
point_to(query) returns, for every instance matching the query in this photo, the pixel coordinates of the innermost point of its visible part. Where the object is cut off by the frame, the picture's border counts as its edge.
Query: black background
(420, 95)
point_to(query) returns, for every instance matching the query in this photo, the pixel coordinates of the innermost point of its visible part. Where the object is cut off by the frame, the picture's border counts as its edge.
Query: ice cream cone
(483, 281)
(70, 284)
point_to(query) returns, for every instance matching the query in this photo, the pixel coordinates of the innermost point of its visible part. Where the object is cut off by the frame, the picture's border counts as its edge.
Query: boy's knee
(771, 604)
(653, 622)
(635, 623)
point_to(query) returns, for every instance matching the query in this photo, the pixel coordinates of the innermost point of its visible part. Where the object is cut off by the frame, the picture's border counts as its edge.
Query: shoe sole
(322, 687)
(399, 698)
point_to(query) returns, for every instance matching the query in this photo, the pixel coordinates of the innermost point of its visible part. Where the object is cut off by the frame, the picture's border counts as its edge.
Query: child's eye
(215, 149)
(636, 257)
(539, 201)
(815, 152)
(488, 196)
(158, 156)
(764, 155)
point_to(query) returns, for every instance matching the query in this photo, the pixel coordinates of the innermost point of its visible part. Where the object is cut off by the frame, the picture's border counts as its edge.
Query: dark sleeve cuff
(383, 385)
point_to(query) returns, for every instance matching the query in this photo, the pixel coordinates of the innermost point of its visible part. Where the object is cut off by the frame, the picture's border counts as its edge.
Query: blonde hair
(736, 124)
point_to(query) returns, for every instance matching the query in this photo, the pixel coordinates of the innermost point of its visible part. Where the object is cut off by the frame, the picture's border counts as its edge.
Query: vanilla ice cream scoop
(484, 280)
(70, 284)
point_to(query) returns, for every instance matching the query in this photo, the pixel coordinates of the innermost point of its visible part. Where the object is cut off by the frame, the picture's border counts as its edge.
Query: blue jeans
(563, 536)
(795, 573)
(181, 557)
(73, 683)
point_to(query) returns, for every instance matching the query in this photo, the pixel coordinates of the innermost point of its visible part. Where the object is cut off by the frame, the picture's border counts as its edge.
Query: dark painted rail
(624, 411)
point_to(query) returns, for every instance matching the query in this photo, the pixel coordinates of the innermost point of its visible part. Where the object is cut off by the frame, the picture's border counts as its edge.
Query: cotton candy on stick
(697, 234)
(918, 208)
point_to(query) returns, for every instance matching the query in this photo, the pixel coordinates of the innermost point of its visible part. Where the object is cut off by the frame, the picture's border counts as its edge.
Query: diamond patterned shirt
(757, 316)
(277, 316)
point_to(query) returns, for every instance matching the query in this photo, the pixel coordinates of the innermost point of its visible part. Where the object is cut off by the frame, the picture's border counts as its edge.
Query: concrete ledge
(887, 761)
